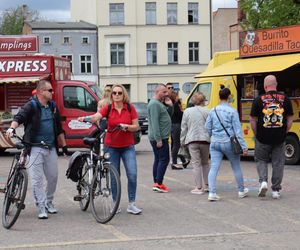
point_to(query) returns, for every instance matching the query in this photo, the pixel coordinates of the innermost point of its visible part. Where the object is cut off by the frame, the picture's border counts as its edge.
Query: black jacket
(30, 116)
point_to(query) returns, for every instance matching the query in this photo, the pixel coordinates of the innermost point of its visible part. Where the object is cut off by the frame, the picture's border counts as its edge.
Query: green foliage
(263, 14)
(12, 21)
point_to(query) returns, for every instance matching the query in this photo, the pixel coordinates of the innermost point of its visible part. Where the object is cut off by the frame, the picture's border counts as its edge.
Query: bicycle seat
(89, 141)
(20, 145)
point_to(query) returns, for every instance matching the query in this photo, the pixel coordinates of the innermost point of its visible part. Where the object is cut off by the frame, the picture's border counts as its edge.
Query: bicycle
(99, 183)
(16, 184)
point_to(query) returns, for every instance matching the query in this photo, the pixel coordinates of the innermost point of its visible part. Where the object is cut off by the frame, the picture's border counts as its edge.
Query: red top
(119, 139)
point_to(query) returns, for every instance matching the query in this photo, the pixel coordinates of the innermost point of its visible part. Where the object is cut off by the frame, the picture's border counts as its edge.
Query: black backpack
(76, 162)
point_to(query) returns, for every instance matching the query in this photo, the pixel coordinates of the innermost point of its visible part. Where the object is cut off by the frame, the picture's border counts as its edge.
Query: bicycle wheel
(106, 193)
(84, 188)
(14, 198)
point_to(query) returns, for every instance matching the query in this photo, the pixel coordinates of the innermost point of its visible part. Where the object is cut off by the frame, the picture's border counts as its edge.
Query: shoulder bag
(236, 146)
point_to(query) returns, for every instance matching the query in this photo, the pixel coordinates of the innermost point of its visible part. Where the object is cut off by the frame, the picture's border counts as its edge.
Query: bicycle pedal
(78, 198)
(23, 206)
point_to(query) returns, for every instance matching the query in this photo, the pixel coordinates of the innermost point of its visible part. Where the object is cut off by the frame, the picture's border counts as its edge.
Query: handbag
(235, 145)
(184, 151)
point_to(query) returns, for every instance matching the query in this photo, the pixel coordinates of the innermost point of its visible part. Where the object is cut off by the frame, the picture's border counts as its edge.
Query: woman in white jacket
(195, 135)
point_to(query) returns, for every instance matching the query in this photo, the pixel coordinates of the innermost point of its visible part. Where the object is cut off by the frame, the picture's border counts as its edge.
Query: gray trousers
(43, 163)
(263, 154)
(199, 161)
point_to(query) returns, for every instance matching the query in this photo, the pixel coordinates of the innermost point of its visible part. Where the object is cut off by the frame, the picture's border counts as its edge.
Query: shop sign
(18, 44)
(270, 41)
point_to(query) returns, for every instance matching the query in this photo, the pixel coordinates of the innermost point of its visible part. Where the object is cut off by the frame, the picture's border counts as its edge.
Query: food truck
(262, 52)
(19, 75)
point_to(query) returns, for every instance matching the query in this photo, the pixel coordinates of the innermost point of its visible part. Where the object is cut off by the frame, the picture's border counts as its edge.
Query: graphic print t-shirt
(271, 109)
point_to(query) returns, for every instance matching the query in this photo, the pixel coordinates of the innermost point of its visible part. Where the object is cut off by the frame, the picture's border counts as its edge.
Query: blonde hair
(125, 93)
(107, 92)
(198, 98)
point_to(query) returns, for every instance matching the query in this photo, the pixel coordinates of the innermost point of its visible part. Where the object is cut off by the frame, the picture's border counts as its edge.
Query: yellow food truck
(262, 52)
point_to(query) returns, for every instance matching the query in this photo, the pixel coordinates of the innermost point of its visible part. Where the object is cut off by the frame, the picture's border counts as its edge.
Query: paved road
(176, 220)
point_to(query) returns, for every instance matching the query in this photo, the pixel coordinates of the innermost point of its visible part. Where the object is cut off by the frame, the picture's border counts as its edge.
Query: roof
(62, 25)
(253, 65)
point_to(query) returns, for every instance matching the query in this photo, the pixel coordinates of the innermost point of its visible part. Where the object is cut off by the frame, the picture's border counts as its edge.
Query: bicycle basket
(76, 163)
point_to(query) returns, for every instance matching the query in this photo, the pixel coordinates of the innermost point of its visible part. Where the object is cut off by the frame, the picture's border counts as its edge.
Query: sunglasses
(117, 93)
(170, 88)
(49, 90)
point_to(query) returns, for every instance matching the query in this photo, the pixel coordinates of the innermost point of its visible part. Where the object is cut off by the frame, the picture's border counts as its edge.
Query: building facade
(74, 40)
(144, 43)
(224, 22)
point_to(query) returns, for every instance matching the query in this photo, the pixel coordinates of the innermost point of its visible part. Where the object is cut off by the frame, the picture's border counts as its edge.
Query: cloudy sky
(60, 9)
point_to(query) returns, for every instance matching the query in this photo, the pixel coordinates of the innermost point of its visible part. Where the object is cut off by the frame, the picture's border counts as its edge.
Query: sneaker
(187, 162)
(244, 193)
(42, 212)
(176, 167)
(197, 191)
(133, 209)
(118, 210)
(161, 188)
(50, 208)
(263, 189)
(276, 195)
(155, 185)
(213, 197)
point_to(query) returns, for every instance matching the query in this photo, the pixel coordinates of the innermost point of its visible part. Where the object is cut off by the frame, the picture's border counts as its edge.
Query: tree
(13, 19)
(263, 14)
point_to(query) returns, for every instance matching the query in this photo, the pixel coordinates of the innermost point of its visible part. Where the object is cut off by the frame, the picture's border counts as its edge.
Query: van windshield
(96, 90)
(205, 88)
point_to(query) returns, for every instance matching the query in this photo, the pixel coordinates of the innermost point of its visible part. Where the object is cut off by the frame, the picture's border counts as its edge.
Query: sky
(59, 10)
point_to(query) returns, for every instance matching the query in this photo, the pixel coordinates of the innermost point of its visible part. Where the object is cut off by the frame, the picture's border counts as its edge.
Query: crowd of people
(204, 132)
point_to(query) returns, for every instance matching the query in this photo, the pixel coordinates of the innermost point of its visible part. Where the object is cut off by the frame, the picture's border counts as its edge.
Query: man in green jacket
(160, 109)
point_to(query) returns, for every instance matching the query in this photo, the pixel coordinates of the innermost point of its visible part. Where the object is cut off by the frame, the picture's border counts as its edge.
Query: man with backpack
(271, 119)
(42, 122)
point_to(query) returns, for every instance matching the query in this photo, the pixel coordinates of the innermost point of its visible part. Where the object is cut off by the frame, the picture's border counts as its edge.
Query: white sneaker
(50, 208)
(244, 193)
(197, 191)
(133, 209)
(263, 189)
(276, 195)
(213, 197)
(42, 212)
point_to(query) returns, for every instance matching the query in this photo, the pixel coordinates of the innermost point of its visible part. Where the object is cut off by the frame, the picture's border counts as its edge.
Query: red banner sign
(62, 69)
(24, 66)
(18, 44)
(270, 41)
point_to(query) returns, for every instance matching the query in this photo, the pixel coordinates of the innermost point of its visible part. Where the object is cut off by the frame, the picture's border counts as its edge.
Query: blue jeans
(161, 160)
(217, 151)
(128, 157)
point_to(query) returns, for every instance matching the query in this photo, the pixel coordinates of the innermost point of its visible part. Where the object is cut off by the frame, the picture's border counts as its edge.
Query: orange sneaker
(161, 188)
(155, 185)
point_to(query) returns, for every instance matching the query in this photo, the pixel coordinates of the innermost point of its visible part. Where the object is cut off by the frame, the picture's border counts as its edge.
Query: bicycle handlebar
(42, 143)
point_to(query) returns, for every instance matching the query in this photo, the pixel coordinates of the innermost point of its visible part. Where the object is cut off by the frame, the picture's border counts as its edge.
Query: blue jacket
(230, 119)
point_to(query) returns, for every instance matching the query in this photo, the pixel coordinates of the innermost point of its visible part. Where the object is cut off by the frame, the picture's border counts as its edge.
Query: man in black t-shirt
(271, 119)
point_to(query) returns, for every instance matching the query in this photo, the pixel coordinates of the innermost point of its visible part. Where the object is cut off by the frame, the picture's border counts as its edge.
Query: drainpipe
(210, 24)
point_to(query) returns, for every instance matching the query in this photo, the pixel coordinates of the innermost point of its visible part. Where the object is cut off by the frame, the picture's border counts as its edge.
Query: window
(205, 88)
(172, 53)
(116, 13)
(79, 98)
(151, 90)
(193, 13)
(66, 40)
(193, 52)
(117, 54)
(150, 13)
(86, 64)
(46, 40)
(172, 13)
(151, 53)
(85, 40)
(187, 87)
(70, 57)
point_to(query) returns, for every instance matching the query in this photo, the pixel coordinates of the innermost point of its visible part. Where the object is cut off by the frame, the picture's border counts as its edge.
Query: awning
(253, 65)
(21, 79)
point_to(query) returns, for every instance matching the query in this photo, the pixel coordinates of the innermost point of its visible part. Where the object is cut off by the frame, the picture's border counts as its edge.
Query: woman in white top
(195, 135)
